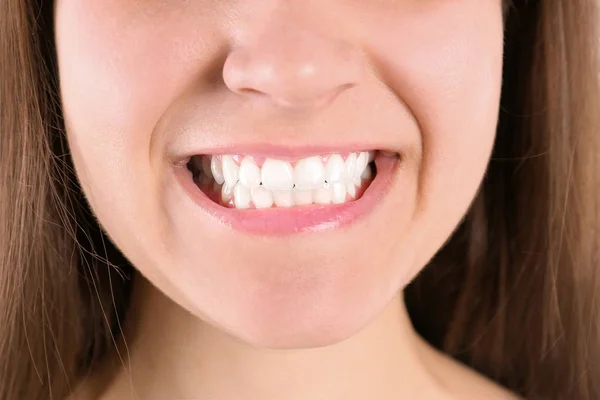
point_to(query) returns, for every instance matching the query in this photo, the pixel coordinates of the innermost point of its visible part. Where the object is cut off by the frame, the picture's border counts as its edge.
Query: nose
(293, 64)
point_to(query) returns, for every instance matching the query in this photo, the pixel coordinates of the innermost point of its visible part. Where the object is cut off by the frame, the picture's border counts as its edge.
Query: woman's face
(225, 147)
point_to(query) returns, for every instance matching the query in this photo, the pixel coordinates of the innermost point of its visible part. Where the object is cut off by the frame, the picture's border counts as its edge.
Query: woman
(299, 200)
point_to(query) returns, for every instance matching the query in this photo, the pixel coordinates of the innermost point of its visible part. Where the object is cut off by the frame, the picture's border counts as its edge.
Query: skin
(291, 316)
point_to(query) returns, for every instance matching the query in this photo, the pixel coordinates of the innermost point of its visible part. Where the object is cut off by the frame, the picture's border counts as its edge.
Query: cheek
(445, 65)
(121, 65)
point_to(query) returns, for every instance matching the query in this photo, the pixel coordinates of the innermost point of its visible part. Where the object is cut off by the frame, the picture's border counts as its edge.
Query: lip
(284, 221)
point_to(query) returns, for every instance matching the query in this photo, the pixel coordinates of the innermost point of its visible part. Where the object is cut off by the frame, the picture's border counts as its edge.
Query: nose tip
(294, 70)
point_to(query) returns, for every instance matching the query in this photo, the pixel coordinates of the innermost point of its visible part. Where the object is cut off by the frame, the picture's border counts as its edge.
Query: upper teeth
(308, 173)
(277, 175)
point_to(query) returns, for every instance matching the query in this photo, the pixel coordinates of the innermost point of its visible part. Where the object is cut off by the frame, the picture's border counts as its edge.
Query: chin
(295, 314)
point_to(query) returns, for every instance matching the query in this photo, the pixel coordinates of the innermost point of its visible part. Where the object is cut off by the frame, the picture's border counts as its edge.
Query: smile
(275, 195)
(244, 182)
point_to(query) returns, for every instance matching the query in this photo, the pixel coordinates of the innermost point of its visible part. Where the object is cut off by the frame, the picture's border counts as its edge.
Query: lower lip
(311, 218)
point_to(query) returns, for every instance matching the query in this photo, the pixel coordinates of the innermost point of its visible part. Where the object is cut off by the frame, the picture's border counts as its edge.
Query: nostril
(251, 92)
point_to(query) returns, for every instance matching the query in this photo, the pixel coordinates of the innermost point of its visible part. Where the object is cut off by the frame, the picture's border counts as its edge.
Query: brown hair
(511, 294)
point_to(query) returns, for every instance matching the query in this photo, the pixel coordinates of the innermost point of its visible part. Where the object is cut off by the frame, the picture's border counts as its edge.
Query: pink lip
(281, 221)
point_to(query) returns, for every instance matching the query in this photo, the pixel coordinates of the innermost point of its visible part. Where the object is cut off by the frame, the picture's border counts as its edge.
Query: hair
(511, 294)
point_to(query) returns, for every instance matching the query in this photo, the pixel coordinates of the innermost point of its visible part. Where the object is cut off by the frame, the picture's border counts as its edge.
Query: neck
(176, 355)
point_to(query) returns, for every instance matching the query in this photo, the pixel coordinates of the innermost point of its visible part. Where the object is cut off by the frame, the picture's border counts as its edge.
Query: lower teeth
(242, 197)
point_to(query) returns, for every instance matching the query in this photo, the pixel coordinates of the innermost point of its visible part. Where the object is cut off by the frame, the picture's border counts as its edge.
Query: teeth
(323, 195)
(279, 183)
(351, 189)
(241, 196)
(261, 197)
(277, 175)
(367, 173)
(335, 169)
(284, 198)
(303, 197)
(350, 165)
(361, 163)
(249, 173)
(339, 193)
(309, 173)
(217, 170)
(230, 170)
(226, 193)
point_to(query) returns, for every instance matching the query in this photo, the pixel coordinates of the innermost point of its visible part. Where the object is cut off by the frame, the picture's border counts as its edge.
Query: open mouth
(271, 195)
(249, 182)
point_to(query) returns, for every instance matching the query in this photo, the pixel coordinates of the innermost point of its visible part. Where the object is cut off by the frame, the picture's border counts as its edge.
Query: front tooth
(350, 166)
(217, 170)
(249, 173)
(241, 196)
(334, 169)
(339, 193)
(230, 170)
(277, 175)
(303, 197)
(309, 173)
(283, 198)
(261, 197)
(323, 195)
(361, 163)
